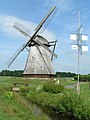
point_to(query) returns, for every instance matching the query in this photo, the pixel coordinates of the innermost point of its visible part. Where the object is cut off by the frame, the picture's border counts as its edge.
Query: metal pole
(78, 71)
(78, 45)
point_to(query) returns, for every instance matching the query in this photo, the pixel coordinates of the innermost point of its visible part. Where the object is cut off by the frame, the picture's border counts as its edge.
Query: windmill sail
(13, 57)
(53, 9)
(53, 50)
(25, 31)
(46, 23)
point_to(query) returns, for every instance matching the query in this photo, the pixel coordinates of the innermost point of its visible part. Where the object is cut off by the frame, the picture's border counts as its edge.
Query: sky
(30, 13)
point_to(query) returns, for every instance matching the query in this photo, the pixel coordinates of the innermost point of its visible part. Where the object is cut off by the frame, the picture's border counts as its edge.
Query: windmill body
(39, 61)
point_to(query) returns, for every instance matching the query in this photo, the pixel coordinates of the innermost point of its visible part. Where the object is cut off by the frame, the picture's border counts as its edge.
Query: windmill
(39, 60)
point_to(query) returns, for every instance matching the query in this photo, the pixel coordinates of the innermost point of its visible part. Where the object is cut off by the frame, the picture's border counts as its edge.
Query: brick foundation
(39, 76)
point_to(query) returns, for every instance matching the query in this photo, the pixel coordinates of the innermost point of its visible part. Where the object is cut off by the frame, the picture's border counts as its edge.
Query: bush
(53, 88)
(70, 104)
(73, 105)
(83, 78)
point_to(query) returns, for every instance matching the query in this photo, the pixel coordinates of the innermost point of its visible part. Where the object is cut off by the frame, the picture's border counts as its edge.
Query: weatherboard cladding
(39, 61)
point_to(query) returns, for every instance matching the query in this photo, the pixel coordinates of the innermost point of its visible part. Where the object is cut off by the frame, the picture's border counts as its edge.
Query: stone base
(51, 76)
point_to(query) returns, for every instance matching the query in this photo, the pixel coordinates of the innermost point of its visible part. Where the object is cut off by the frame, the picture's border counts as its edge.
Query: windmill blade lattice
(13, 57)
(22, 29)
(52, 10)
(48, 21)
(53, 49)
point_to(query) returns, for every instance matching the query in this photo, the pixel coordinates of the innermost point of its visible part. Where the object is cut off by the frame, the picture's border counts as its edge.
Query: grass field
(18, 108)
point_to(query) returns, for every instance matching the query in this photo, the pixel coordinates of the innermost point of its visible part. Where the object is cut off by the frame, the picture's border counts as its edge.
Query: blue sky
(29, 13)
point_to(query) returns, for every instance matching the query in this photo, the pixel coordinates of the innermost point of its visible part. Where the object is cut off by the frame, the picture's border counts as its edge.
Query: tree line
(19, 73)
(82, 78)
(65, 74)
(15, 73)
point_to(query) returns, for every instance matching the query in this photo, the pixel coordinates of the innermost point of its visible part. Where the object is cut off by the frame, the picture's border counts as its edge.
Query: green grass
(65, 81)
(17, 108)
(20, 109)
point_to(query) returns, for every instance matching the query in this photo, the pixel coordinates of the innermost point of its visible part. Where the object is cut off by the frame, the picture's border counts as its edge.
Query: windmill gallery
(40, 56)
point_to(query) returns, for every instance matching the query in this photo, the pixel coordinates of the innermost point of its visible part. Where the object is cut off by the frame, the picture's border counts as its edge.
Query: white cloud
(63, 5)
(7, 21)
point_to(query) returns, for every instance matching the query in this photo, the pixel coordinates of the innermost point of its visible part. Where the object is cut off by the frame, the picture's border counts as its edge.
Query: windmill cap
(42, 40)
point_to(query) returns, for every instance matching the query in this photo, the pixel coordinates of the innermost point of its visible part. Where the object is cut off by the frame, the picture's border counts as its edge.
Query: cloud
(7, 21)
(63, 5)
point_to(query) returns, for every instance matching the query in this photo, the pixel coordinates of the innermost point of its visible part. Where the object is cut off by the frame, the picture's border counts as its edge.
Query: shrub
(73, 105)
(83, 78)
(70, 104)
(53, 88)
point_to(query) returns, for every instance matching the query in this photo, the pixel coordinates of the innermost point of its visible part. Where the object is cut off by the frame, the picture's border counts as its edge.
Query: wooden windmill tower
(39, 61)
